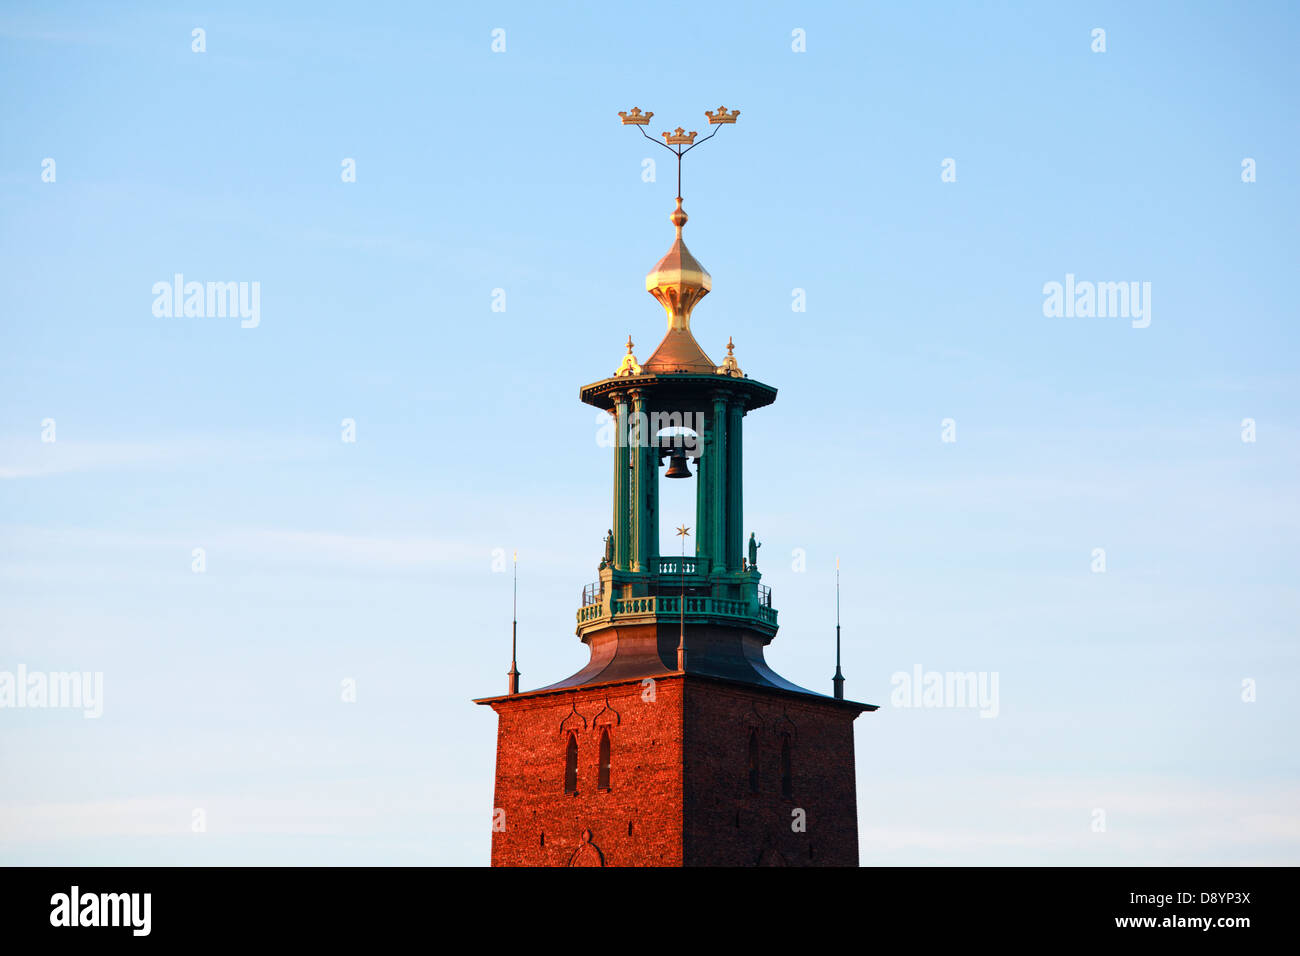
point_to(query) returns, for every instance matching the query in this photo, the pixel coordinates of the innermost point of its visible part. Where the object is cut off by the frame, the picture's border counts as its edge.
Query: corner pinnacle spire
(838, 679)
(513, 673)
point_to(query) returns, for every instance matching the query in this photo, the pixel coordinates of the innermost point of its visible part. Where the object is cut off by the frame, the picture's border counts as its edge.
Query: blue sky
(476, 171)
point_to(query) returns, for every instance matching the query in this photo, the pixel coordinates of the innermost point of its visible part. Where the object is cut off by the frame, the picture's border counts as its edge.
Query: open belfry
(676, 745)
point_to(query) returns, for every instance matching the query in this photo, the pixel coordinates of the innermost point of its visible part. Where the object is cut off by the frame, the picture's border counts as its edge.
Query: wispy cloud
(30, 458)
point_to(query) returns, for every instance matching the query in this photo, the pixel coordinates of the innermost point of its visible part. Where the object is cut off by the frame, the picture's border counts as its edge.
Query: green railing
(679, 566)
(671, 604)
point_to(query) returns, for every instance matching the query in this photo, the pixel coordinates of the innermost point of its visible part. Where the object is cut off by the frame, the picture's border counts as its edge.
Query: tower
(676, 744)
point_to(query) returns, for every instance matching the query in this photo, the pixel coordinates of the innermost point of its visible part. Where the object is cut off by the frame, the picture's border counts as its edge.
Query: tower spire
(682, 532)
(678, 281)
(838, 679)
(514, 631)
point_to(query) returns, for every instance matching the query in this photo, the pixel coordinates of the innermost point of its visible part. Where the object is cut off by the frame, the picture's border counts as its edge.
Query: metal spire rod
(679, 153)
(838, 679)
(514, 631)
(682, 532)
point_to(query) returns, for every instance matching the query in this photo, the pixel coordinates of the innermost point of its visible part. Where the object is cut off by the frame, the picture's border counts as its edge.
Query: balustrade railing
(671, 604)
(679, 566)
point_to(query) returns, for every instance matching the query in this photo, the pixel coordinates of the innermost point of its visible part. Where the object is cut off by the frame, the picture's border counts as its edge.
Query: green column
(622, 529)
(703, 495)
(718, 481)
(651, 471)
(735, 475)
(645, 474)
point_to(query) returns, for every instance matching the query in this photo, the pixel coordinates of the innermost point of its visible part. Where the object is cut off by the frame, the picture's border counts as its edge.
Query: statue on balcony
(609, 550)
(753, 552)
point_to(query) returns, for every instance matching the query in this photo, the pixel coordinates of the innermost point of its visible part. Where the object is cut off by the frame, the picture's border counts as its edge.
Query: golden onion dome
(678, 282)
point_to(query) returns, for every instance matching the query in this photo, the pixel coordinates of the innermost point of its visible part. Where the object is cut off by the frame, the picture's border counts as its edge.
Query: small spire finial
(629, 365)
(682, 532)
(678, 217)
(838, 679)
(729, 364)
(514, 632)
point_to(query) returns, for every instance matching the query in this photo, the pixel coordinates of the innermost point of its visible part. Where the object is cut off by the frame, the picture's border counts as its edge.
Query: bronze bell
(677, 467)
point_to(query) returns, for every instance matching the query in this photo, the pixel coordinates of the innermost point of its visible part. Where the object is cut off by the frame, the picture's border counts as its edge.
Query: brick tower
(676, 745)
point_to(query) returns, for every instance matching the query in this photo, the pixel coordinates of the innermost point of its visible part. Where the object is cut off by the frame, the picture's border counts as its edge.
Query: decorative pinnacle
(722, 116)
(679, 137)
(729, 364)
(513, 673)
(629, 365)
(678, 217)
(635, 117)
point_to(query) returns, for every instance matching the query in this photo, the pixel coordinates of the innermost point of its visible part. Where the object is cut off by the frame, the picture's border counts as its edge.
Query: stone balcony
(720, 597)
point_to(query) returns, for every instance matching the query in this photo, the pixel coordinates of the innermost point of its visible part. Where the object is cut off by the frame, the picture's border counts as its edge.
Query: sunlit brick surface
(680, 785)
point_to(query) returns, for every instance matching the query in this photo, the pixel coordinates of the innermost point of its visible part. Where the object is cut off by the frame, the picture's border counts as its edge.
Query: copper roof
(679, 352)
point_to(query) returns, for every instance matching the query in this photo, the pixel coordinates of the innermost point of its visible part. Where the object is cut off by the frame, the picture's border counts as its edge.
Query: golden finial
(678, 280)
(722, 116)
(629, 365)
(635, 117)
(729, 365)
(678, 217)
(683, 531)
(679, 137)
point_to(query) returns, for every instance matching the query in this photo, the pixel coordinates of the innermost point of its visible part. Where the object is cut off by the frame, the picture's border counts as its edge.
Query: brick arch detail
(587, 854)
(573, 721)
(606, 717)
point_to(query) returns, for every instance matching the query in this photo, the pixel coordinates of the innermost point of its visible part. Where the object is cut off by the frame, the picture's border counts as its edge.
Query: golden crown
(722, 116)
(635, 117)
(679, 137)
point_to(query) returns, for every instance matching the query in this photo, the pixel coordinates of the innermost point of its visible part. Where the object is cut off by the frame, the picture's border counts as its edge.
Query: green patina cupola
(705, 612)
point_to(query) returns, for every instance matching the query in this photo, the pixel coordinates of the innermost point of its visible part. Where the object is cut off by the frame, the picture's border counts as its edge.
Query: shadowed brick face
(680, 778)
(724, 823)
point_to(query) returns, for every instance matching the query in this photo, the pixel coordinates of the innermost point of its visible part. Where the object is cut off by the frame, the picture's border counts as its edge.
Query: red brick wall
(726, 824)
(646, 777)
(687, 805)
